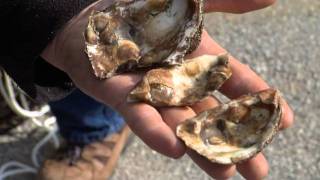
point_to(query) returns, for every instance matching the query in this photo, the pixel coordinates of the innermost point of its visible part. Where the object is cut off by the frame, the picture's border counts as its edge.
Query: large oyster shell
(139, 33)
(235, 131)
(183, 85)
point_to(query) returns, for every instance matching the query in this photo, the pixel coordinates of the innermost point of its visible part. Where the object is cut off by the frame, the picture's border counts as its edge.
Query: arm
(236, 6)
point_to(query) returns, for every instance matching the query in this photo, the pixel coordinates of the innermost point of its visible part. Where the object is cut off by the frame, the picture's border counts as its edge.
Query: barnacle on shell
(183, 85)
(235, 131)
(140, 33)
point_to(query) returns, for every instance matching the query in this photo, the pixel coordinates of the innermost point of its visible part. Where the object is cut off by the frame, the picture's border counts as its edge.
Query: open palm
(156, 126)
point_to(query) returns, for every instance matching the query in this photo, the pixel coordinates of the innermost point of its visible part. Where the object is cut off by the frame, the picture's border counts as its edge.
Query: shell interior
(185, 84)
(141, 33)
(235, 131)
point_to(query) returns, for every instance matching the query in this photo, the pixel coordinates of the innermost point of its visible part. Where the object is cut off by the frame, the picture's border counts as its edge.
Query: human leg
(83, 120)
(95, 136)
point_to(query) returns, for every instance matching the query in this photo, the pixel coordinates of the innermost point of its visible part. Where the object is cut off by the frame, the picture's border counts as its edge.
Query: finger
(235, 6)
(243, 81)
(144, 120)
(287, 116)
(147, 123)
(206, 104)
(254, 169)
(216, 171)
(112, 91)
(173, 116)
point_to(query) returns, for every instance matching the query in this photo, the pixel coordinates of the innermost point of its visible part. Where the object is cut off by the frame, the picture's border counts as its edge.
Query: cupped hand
(156, 127)
(66, 52)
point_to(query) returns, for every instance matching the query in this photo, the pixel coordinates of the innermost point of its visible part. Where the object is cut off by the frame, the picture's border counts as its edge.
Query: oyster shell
(139, 33)
(235, 131)
(182, 85)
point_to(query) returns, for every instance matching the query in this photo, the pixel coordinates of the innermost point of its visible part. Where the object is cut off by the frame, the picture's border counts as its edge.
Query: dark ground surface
(281, 44)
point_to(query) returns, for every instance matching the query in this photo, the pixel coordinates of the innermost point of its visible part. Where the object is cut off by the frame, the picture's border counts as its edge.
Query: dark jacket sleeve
(27, 26)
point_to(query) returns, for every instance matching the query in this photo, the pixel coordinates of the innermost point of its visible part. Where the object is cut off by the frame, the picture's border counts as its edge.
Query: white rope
(13, 168)
(37, 147)
(10, 97)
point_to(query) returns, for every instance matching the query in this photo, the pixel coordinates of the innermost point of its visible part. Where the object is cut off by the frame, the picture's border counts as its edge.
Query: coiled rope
(11, 95)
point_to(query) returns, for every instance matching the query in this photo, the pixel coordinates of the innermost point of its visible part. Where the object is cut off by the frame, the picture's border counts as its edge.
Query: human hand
(156, 127)
(66, 52)
(236, 6)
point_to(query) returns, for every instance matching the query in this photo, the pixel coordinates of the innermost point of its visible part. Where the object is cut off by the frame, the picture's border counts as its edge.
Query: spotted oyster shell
(235, 131)
(185, 84)
(140, 33)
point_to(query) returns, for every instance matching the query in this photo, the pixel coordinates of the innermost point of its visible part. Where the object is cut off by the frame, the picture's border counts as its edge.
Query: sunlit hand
(156, 127)
(236, 6)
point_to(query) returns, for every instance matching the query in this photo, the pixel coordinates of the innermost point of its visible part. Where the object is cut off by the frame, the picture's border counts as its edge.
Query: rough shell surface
(139, 33)
(184, 84)
(235, 131)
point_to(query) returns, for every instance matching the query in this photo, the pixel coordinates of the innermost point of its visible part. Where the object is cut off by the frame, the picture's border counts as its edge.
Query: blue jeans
(83, 120)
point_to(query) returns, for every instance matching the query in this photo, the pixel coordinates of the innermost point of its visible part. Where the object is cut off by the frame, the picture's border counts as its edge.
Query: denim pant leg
(83, 120)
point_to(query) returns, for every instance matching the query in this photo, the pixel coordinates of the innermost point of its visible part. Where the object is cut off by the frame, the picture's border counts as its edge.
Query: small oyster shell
(139, 33)
(182, 85)
(235, 131)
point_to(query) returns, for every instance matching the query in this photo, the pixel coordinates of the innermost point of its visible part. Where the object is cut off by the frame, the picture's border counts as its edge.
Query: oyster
(182, 85)
(140, 33)
(235, 131)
